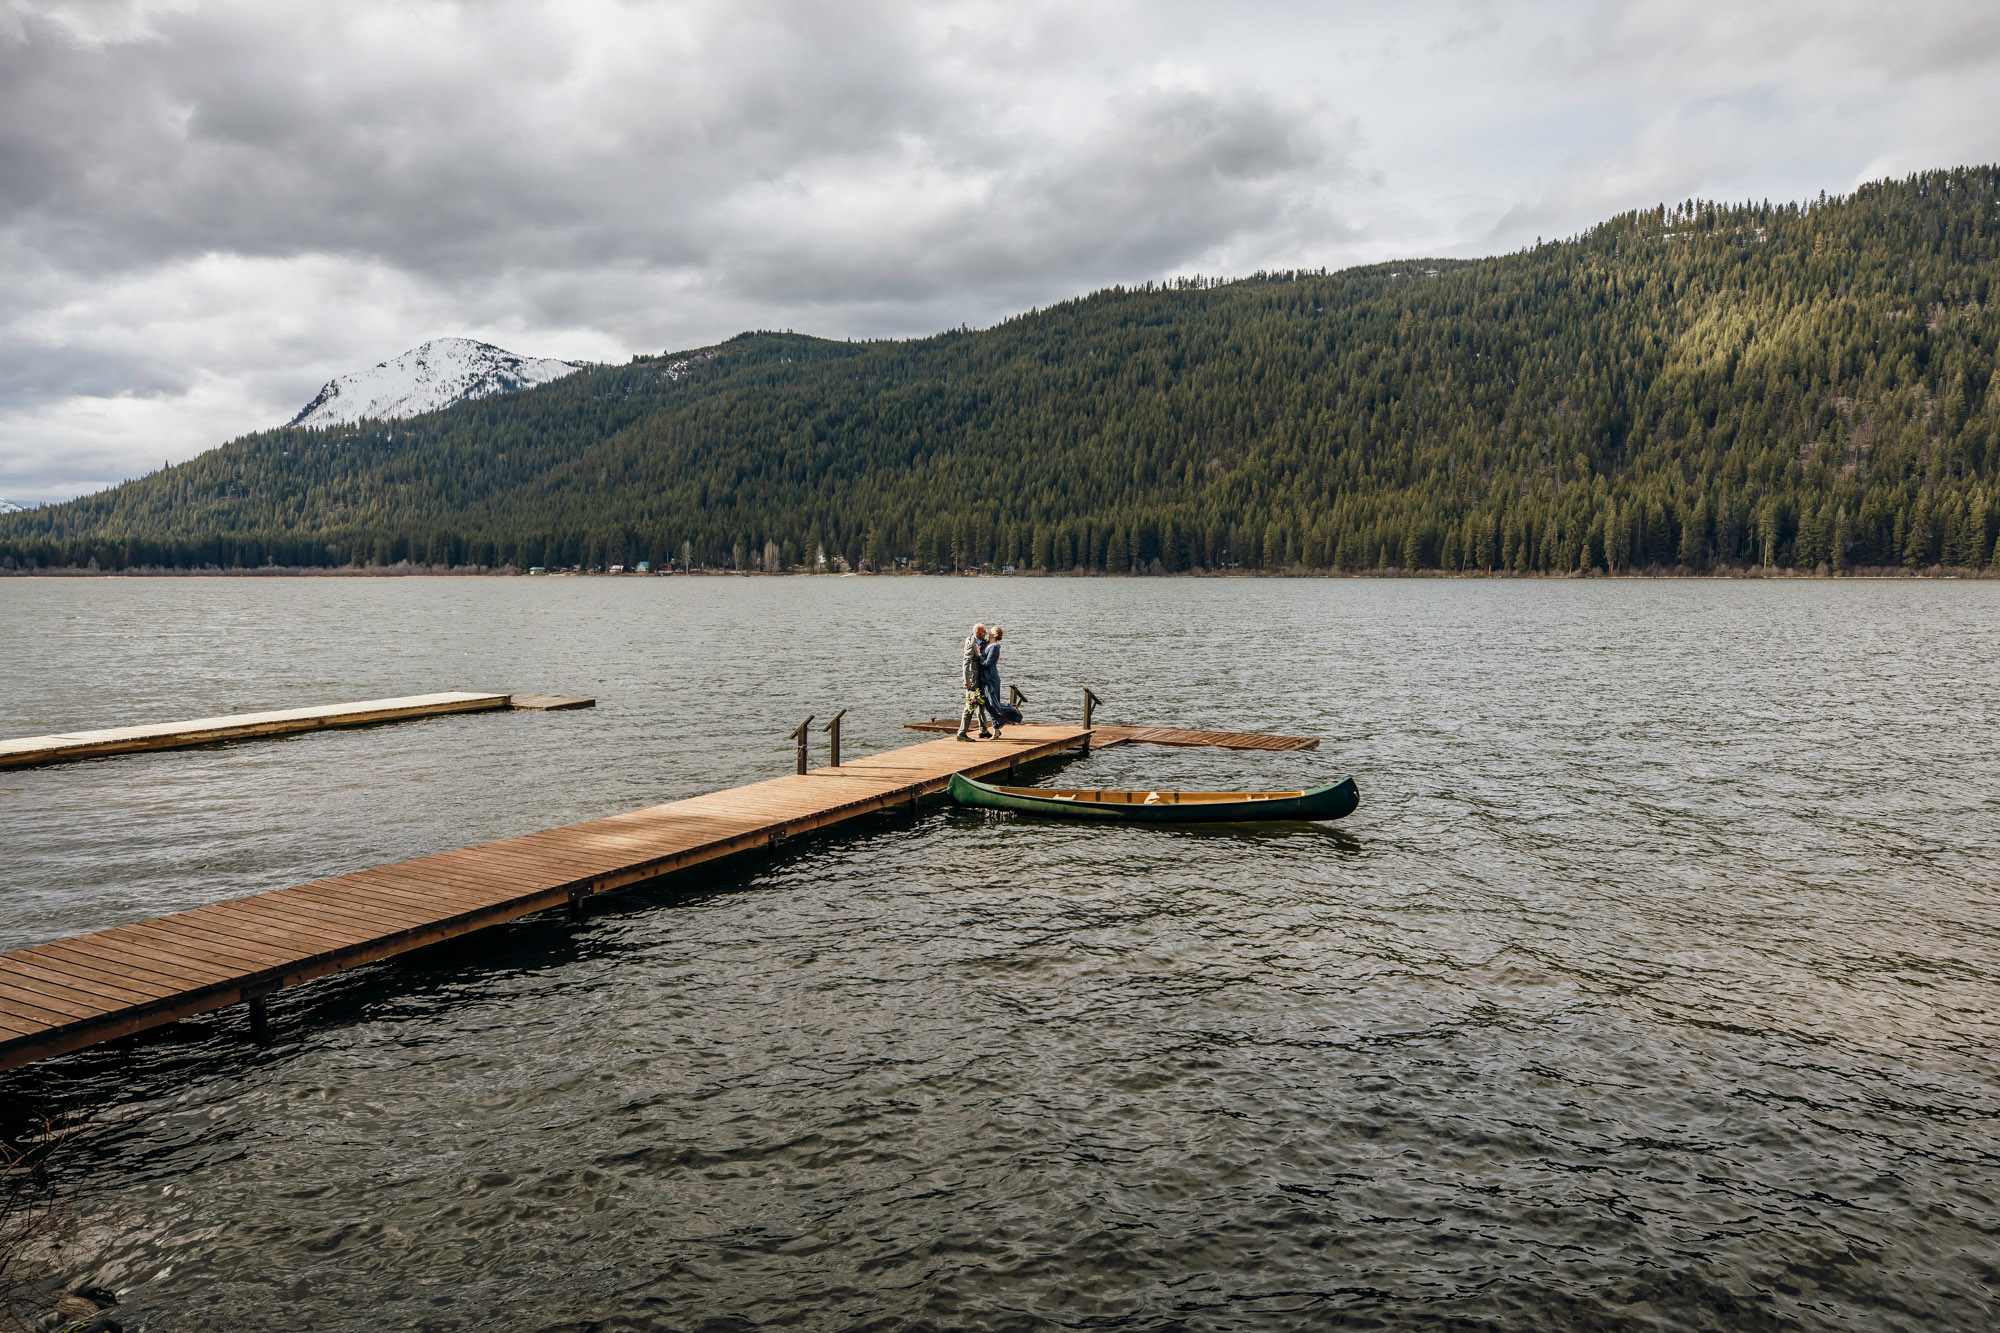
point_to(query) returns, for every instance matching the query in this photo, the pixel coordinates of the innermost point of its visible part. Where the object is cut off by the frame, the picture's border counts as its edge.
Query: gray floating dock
(32, 751)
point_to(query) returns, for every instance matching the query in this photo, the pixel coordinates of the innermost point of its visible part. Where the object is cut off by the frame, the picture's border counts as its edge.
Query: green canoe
(1162, 807)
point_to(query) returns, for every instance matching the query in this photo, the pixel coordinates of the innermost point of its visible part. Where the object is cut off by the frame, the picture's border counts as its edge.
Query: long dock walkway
(30, 751)
(72, 993)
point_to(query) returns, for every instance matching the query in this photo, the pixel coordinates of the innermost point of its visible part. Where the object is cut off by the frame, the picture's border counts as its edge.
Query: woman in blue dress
(989, 677)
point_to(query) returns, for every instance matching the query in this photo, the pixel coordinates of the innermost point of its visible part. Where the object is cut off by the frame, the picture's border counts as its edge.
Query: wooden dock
(548, 703)
(77, 992)
(32, 751)
(1214, 740)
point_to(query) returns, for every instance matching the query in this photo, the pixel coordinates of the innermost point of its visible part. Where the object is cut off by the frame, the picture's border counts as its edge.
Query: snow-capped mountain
(442, 372)
(9, 507)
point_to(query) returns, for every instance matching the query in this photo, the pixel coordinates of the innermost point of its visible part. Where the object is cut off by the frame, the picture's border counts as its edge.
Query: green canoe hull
(1330, 802)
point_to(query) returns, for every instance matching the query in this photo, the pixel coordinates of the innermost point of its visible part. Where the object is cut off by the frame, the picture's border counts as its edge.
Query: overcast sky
(208, 210)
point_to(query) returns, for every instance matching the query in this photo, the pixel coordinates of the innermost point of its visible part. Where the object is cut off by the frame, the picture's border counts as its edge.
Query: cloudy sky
(207, 210)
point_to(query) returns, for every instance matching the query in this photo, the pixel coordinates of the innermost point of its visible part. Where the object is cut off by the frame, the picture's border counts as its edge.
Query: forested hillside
(1805, 385)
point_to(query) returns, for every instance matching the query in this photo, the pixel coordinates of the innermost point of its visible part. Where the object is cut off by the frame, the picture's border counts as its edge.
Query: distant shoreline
(1753, 572)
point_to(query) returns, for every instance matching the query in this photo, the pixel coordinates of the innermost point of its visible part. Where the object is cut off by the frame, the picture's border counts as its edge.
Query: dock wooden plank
(413, 911)
(411, 916)
(1220, 740)
(468, 871)
(362, 903)
(274, 921)
(304, 918)
(20, 998)
(434, 888)
(439, 891)
(162, 947)
(499, 877)
(112, 985)
(1104, 735)
(56, 996)
(538, 853)
(90, 953)
(518, 864)
(248, 935)
(188, 937)
(290, 914)
(376, 902)
(149, 978)
(23, 1004)
(68, 994)
(267, 923)
(446, 904)
(62, 747)
(118, 989)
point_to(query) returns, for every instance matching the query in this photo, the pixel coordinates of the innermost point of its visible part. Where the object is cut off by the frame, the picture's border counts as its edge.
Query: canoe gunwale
(1333, 801)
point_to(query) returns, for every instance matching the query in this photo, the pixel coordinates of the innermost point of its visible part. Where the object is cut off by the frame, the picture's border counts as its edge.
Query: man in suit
(975, 698)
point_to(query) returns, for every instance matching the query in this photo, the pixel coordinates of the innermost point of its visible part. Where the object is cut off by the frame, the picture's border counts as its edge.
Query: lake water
(1653, 985)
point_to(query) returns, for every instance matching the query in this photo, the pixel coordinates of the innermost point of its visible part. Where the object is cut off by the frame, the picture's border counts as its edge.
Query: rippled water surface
(1653, 985)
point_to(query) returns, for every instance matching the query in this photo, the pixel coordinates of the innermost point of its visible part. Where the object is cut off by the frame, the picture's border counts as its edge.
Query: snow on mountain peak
(442, 372)
(9, 507)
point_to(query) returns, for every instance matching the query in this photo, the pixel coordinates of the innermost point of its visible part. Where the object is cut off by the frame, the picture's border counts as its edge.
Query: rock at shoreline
(83, 1311)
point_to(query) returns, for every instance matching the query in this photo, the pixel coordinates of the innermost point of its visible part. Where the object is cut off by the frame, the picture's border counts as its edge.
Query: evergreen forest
(1693, 387)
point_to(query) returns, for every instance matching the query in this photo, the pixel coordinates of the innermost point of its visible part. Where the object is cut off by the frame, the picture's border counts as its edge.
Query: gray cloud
(33, 376)
(207, 208)
(1782, 99)
(1722, 41)
(1155, 177)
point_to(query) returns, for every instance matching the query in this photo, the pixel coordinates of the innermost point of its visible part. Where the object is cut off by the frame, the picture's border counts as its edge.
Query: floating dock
(548, 703)
(72, 993)
(32, 751)
(77, 992)
(1214, 740)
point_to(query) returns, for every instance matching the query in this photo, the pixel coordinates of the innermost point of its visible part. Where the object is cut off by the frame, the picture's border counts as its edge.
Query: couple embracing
(982, 683)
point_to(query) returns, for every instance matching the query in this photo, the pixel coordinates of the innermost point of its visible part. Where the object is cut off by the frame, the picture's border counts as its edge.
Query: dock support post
(576, 901)
(801, 736)
(833, 730)
(1090, 702)
(260, 1016)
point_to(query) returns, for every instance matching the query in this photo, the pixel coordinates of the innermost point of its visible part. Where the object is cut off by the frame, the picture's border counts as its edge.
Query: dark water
(1652, 986)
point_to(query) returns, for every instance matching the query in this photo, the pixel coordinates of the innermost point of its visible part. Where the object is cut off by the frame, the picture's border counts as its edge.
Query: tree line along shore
(405, 569)
(1700, 387)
